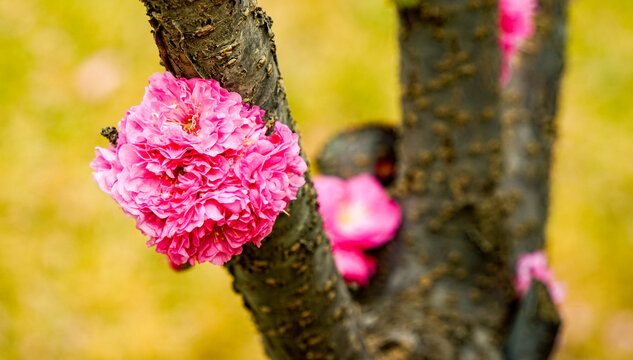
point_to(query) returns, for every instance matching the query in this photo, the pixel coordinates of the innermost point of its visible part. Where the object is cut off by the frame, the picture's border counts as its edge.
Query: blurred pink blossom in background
(534, 266)
(354, 264)
(99, 75)
(618, 333)
(516, 21)
(358, 215)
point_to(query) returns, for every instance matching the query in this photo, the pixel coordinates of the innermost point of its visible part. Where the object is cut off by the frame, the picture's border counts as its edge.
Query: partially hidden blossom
(534, 266)
(358, 215)
(194, 166)
(516, 22)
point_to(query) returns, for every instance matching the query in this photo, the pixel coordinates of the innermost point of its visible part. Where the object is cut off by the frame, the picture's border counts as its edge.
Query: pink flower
(516, 25)
(354, 264)
(357, 212)
(194, 167)
(534, 266)
(357, 215)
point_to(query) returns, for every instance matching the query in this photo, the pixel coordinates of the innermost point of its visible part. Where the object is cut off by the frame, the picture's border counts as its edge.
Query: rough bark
(529, 110)
(444, 289)
(533, 334)
(529, 107)
(298, 300)
(449, 295)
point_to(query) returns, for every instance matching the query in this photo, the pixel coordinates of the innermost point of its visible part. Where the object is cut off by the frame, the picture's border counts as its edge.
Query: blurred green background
(76, 279)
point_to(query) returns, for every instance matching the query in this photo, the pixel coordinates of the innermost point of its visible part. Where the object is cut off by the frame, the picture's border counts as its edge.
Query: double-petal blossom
(194, 166)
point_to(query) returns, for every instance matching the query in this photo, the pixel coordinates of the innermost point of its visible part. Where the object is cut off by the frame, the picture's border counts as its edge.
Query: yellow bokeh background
(76, 279)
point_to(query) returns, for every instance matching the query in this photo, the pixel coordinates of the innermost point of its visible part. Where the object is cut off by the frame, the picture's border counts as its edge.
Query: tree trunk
(299, 302)
(472, 170)
(529, 110)
(449, 295)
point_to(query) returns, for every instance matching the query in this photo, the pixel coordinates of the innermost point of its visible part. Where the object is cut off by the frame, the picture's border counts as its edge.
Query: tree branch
(533, 334)
(298, 300)
(449, 295)
(529, 111)
(367, 149)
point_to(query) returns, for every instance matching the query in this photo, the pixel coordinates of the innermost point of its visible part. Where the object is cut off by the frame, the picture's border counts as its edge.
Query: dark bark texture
(298, 300)
(529, 109)
(469, 166)
(449, 295)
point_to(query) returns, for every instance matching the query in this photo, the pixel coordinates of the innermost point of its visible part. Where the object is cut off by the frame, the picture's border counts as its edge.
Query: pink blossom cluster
(194, 167)
(534, 266)
(516, 25)
(358, 215)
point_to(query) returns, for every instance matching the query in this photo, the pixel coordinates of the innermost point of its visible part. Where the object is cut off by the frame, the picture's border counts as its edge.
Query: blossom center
(351, 215)
(190, 123)
(187, 116)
